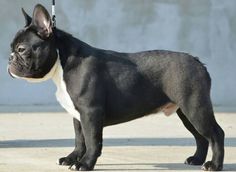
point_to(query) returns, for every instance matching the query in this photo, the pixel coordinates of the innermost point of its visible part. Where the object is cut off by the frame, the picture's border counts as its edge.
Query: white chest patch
(62, 95)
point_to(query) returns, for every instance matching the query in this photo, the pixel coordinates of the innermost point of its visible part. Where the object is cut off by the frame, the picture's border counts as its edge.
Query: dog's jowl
(101, 88)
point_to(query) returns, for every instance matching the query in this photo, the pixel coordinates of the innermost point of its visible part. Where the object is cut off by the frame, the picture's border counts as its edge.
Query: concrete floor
(32, 142)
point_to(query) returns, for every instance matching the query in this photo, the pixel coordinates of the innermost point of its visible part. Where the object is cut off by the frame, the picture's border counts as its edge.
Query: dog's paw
(72, 158)
(192, 160)
(210, 166)
(65, 161)
(78, 166)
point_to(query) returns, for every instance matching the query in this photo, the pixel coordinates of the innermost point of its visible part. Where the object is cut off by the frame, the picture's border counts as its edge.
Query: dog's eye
(21, 49)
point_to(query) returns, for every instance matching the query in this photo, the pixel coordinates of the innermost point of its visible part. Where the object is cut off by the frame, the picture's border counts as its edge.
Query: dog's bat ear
(28, 19)
(42, 21)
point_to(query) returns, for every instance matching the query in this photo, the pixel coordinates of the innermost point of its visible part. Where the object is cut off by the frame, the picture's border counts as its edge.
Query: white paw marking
(73, 167)
(58, 162)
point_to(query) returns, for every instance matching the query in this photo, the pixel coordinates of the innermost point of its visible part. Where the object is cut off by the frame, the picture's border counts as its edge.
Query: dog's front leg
(80, 148)
(92, 126)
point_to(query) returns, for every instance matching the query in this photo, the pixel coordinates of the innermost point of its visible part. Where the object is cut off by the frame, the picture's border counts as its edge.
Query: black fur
(109, 87)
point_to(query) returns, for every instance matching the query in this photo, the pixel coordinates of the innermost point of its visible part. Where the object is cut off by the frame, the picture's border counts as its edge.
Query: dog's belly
(168, 109)
(62, 95)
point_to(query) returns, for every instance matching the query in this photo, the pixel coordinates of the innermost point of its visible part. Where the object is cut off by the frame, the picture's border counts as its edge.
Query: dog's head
(33, 49)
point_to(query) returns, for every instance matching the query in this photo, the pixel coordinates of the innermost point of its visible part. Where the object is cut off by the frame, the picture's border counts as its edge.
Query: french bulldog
(100, 88)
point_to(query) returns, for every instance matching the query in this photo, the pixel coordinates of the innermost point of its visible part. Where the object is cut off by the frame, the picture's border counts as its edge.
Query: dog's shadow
(120, 142)
(155, 167)
(57, 143)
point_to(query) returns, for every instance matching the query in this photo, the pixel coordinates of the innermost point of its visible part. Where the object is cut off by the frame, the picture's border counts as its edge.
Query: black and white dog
(101, 88)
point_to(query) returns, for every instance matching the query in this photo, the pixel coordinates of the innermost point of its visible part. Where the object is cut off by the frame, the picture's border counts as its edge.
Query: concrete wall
(203, 28)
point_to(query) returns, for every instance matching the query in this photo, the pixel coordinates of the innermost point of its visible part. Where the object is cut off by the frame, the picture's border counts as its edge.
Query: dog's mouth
(31, 74)
(19, 68)
(15, 71)
(15, 66)
(23, 73)
(10, 73)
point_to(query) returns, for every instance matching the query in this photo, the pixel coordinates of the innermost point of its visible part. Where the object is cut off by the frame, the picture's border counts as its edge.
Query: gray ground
(32, 142)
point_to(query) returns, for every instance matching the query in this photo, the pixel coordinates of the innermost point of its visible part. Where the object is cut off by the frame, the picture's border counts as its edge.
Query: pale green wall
(203, 28)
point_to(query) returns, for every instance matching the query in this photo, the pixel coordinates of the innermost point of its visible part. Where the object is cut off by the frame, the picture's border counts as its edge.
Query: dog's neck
(68, 46)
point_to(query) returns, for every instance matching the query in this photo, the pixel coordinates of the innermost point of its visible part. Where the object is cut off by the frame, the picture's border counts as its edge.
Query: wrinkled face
(31, 57)
(33, 48)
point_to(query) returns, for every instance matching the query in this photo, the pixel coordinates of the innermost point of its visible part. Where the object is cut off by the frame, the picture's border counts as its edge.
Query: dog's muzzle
(10, 63)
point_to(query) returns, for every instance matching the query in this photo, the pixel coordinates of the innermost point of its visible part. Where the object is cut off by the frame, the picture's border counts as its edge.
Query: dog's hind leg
(80, 148)
(202, 144)
(198, 110)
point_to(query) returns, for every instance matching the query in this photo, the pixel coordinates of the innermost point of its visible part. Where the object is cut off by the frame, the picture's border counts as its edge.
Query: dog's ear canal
(42, 21)
(28, 19)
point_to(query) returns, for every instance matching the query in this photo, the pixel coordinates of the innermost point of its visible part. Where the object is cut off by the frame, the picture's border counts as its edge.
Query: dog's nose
(11, 57)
